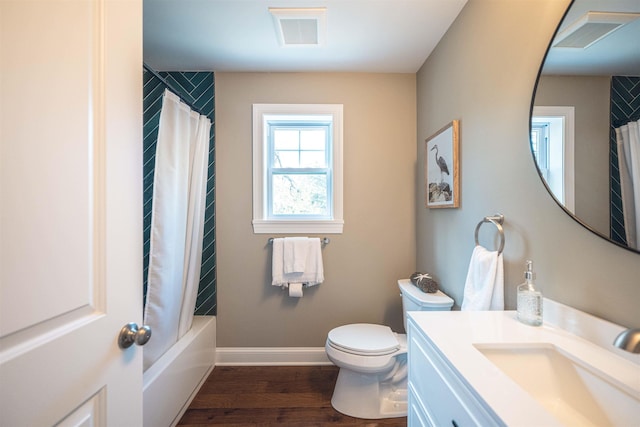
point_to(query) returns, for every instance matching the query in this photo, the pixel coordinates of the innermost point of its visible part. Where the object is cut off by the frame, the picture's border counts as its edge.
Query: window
(297, 168)
(540, 145)
(552, 142)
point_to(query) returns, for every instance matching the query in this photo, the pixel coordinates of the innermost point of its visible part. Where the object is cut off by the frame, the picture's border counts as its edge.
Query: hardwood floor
(239, 396)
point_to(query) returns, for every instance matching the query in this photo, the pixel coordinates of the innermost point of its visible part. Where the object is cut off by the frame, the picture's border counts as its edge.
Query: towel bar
(497, 220)
(324, 240)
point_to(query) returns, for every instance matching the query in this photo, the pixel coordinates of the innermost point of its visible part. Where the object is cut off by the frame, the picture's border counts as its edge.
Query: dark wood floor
(235, 396)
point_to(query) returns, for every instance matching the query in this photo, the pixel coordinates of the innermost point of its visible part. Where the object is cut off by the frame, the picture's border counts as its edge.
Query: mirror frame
(544, 182)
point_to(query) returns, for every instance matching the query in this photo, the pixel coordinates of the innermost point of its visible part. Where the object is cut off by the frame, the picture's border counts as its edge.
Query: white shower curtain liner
(177, 222)
(628, 141)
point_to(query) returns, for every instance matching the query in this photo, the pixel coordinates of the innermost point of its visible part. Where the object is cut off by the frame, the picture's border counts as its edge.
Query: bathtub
(171, 383)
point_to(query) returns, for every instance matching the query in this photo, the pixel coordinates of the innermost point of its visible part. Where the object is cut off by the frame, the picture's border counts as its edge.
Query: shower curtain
(177, 221)
(628, 141)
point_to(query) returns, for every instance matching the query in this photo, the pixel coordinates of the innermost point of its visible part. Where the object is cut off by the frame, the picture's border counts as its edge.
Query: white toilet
(372, 382)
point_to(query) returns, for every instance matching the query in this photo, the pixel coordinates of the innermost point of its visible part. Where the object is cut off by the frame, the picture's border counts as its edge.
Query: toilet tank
(413, 299)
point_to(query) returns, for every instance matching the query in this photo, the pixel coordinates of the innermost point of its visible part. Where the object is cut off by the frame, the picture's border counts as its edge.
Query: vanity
(488, 369)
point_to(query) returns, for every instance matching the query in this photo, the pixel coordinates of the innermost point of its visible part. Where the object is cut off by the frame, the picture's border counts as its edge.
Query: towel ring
(497, 220)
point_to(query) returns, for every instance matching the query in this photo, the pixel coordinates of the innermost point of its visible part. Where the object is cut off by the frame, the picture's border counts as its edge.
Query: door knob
(130, 334)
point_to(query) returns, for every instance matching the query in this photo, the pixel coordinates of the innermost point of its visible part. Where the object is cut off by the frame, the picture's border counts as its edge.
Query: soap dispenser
(529, 302)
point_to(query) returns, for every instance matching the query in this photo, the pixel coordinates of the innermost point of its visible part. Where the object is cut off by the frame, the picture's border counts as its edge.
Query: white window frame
(561, 174)
(262, 223)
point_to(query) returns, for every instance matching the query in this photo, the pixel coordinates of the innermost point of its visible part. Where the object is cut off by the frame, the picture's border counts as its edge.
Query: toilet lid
(364, 338)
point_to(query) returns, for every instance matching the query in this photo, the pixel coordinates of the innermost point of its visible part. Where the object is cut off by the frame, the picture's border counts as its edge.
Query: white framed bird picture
(441, 168)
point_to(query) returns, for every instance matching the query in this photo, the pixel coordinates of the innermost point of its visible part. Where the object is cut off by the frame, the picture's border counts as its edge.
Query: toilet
(372, 382)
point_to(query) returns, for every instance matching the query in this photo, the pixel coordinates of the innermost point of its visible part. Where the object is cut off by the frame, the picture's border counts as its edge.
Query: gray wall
(362, 265)
(590, 95)
(483, 73)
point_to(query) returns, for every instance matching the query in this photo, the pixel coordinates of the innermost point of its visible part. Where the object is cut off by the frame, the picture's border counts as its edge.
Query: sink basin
(573, 391)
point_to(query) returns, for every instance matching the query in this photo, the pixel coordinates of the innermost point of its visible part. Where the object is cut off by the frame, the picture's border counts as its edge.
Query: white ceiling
(362, 35)
(617, 54)
(239, 35)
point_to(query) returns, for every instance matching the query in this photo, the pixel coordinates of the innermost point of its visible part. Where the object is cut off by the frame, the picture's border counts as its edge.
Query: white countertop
(455, 333)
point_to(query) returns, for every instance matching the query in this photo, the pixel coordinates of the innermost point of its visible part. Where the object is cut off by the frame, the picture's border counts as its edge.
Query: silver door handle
(130, 334)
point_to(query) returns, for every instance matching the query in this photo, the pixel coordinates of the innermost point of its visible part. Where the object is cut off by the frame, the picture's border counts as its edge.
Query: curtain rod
(170, 86)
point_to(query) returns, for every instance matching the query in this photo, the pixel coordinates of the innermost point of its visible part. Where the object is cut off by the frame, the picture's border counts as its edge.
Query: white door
(70, 211)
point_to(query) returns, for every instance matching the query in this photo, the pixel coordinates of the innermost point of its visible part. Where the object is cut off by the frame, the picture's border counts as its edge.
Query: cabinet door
(417, 415)
(440, 399)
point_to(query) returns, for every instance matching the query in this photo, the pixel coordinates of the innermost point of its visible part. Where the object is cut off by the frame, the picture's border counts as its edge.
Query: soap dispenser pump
(529, 303)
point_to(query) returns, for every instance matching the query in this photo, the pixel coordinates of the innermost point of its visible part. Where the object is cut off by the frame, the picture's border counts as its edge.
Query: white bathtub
(173, 381)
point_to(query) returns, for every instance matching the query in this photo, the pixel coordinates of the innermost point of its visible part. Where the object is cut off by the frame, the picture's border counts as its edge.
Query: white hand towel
(296, 250)
(277, 262)
(484, 287)
(313, 273)
(314, 270)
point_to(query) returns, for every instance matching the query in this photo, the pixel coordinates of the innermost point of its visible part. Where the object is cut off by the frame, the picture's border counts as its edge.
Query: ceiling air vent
(591, 27)
(299, 26)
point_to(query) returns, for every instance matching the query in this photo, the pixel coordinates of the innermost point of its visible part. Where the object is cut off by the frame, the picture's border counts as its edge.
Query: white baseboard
(271, 356)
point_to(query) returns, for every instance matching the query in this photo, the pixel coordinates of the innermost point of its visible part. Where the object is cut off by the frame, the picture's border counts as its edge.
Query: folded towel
(313, 273)
(277, 262)
(484, 287)
(296, 250)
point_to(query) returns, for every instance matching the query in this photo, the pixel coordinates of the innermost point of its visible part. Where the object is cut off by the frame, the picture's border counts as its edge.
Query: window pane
(540, 143)
(299, 194)
(284, 139)
(313, 159)
(313, 139)
(286, 159)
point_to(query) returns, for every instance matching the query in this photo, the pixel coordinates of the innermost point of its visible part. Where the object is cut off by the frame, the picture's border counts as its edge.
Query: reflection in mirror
(585, 116)
(552, 143)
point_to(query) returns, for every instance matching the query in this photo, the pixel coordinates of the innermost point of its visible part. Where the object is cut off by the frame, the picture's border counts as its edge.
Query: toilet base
(367, 396)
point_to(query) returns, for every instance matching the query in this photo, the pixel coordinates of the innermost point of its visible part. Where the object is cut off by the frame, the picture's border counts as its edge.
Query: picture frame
(441, 168)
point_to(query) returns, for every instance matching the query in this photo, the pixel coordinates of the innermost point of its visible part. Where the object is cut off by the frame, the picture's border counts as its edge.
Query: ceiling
(239, 35)
(361, 36)
(617, 54)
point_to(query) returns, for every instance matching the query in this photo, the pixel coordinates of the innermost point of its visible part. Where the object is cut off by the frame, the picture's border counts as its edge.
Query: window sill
(292, 226)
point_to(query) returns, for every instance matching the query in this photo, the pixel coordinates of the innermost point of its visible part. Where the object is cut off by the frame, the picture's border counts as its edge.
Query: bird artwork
(441, 171)
(440, 191)
(442, 164)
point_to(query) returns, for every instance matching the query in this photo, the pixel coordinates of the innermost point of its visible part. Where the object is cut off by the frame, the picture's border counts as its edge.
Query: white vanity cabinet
(485, 368)
(437, 394)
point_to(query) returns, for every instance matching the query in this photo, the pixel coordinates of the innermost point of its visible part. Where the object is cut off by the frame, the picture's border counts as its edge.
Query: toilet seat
(364, 339)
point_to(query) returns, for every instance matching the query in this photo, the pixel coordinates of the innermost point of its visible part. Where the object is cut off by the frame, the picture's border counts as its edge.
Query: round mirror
(585, 117)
